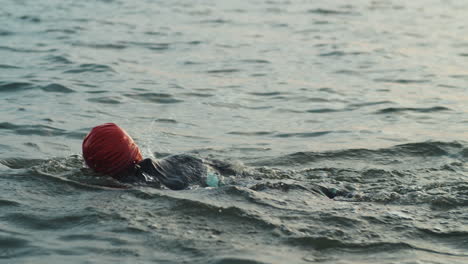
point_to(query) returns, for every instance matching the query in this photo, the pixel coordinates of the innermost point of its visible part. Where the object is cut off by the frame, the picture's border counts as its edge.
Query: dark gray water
(370, 97)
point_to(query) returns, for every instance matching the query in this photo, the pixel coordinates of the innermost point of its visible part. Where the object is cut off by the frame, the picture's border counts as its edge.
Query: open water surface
(368, 97)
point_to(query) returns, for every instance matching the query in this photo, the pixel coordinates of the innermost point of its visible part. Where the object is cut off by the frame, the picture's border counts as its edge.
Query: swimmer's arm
(151, 171)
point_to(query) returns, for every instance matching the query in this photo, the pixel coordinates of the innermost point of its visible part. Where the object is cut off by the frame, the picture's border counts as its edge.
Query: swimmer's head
(109, 150)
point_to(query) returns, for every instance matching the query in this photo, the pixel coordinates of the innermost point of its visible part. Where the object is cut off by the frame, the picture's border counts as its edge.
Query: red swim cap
(109, 150)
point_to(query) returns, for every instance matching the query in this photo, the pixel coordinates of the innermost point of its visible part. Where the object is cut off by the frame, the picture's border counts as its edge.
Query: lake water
(369, 97)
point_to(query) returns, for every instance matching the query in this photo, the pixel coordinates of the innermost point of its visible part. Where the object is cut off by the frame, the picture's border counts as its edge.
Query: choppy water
(364, 96)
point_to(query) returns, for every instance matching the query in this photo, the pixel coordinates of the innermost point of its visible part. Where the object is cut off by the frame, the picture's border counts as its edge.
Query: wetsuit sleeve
(158, 170)
(138, 175)
(176, 172)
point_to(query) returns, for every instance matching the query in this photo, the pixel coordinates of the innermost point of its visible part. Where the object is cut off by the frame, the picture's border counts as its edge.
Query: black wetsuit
(178, 172)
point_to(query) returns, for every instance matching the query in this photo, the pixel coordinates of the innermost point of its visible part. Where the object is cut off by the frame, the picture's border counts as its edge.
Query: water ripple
(38, 222)
(33, 19)
(223, 71)
(5, 33)
(6, 66)
(40, 130)
(57, 88)
(323, 110)
(243, 133)
(58, 59)
(421, 149)
(160, 98)
(340, 53)
(113, 46)
(90, 67)
(4, 202)
(15, 86)
(391, 110)
(322, 11)
(106, 100)
(26, 50)
(149, 45)
(266, 93)
(257, 61)
(304, 135)
(237, 106)
(400, 81)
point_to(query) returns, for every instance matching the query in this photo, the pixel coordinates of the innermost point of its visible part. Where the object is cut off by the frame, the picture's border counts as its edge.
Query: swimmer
(109, 150)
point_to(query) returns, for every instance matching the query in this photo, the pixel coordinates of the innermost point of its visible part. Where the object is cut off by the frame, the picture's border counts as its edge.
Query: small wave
(443, 233)
(70, 171)
(284, 187)
(460, 76)
(165, 120)
(256, 61)
(39, 222)
(266, 93)
(322, 11)
(9, 243)
(4, 203)
(40, 130)
(57, 88)
(359, 105)
(236, 260)
(215, 21)
(6, 66)
(87, 237)
(78, 134)
(340, 53)
(250, 149)
(90, 68)
(20, 163)
(323, 243)
(285, 110)
(258, 75)
(384, 155)
(148, 45)
(160, 98)
(25, 50)
(106, 100)
(243, 133)
(5, 33)
(323, 110)
(60, 30)
(192, 63)
(32, 145)
(15, 86)
(194, 42)
(58, 59)
(238, 106)
(304, 135)
(223, 71)
(430, 148)
(391, 110)
(113, 46)
(401, 81)
(33, 19)
(155, 33)
(184, 135)
(208, 208)
(348, 72)
(203, 95)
